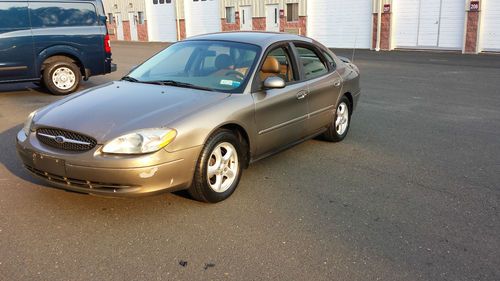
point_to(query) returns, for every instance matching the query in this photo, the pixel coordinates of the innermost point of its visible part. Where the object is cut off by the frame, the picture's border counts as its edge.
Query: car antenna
(354, 47)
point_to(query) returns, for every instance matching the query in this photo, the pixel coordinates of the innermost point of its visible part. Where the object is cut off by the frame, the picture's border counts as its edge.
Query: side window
(14, 16)
(277, 63)
(312, 64)
(329, 58)
(57, 14)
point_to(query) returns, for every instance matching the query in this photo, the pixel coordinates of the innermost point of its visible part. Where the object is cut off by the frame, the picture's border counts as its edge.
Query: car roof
(260, 38)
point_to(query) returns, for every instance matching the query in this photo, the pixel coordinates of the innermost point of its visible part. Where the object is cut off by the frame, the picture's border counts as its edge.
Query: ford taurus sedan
(193, 116)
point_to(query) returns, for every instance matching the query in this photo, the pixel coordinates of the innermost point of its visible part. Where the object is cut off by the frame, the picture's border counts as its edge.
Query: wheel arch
(55, 53)
(242, 135)
(351, 101)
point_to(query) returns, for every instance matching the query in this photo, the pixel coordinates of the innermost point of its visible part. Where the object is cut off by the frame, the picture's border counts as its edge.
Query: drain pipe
(379, 24)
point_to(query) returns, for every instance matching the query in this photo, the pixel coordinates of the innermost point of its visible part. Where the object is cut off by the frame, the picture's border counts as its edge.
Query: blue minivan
(53, 43)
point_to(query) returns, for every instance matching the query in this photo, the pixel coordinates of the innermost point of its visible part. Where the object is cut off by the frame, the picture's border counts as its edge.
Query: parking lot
(412, 193)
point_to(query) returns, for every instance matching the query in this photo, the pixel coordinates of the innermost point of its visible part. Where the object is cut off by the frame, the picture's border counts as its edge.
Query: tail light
(107, 44)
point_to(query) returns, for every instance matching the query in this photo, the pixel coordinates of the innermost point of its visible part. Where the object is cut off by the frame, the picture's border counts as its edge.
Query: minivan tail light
(107, 44)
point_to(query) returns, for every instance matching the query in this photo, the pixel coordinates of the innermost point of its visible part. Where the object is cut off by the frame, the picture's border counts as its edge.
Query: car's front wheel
(339, 127)
(62, 77)
(219, 168)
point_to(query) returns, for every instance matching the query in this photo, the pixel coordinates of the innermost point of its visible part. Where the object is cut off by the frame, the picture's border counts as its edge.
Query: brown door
(324, 85)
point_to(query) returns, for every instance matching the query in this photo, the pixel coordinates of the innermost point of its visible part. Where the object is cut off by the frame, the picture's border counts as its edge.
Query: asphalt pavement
(412, 193)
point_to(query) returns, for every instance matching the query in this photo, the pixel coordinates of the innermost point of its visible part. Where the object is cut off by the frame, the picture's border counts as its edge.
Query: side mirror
(274, 82)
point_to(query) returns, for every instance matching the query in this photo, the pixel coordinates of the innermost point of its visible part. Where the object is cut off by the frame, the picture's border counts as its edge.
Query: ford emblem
(59, 139)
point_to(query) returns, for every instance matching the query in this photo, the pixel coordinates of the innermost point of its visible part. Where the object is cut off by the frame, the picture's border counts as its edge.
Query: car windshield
(210, 65)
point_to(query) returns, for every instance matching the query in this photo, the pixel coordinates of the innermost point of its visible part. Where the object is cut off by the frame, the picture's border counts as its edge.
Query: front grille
(91, 185)
(65, 140)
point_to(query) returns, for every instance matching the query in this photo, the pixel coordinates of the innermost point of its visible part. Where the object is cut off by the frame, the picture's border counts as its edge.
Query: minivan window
(55, 14)
(13, 15)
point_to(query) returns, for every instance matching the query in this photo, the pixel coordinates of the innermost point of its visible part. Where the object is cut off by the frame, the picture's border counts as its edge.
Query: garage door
(490, 33)
(340, 23)
(429, 24)
(202, 17)
(161, 20)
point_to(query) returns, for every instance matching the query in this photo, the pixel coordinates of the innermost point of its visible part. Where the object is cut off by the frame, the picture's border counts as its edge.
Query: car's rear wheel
(62, 77)
(219, 169)
(339, 127)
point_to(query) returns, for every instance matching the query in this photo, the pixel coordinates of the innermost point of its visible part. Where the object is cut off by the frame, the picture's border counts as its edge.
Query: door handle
(336, 83)
(301, 95)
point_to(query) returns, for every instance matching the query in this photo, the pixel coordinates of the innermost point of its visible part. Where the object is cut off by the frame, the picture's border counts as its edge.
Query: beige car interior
(276, 66)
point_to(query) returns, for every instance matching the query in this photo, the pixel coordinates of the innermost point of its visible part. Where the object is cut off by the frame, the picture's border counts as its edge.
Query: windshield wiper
(129, 79)
(179, 84)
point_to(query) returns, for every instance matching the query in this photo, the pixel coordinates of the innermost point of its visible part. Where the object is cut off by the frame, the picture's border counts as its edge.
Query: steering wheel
(235, 73)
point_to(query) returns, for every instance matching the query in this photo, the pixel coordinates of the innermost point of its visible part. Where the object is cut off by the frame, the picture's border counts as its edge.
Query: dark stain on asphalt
(207, 265)
(183, 263)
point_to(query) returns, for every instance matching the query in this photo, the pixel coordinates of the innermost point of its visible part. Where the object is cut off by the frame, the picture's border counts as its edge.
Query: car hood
(116, 108)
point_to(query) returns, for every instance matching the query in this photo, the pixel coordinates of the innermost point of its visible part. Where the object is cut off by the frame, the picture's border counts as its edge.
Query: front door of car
(324, 85)
(280, 114)
(16, 42)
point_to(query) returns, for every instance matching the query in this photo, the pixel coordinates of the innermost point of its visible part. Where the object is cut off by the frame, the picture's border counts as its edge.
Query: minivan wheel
(339, 127)
(62, 77)
(219, 168)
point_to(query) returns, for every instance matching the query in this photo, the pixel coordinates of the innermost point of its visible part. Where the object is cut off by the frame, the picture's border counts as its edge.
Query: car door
(16, 42)
(280, 114)
(324, 85)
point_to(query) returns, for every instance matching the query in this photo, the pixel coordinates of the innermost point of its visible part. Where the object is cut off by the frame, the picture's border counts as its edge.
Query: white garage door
(429, 23)
(161, 20)
(340, 23)
(490, 32)
(202, 17)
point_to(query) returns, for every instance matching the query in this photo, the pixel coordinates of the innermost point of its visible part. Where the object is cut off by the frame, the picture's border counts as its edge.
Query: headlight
(143, 141)
(28, 123)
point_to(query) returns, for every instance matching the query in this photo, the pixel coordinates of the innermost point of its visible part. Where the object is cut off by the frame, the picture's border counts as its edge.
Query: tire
(216, 179)
(339, 127)
(62, 77)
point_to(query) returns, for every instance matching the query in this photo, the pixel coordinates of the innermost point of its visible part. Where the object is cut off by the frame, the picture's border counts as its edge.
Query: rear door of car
(280, 114)
(16, 42)
(324, 85)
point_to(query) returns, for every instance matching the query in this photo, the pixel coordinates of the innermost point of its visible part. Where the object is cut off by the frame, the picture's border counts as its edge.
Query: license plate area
(49, 164)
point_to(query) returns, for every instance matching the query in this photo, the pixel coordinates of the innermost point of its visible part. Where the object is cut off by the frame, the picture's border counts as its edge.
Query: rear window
(13, 15)
(53, 14)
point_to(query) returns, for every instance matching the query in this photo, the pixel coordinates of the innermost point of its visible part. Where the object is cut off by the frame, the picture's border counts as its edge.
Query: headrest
(271, 65)
(223, 61)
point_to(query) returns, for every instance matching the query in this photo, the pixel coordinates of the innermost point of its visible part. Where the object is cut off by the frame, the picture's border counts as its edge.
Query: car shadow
(22, 87)
(10, 160)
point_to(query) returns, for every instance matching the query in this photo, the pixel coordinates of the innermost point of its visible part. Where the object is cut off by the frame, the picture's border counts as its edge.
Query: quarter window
(58, 14)
(311, 63)
(329, 58)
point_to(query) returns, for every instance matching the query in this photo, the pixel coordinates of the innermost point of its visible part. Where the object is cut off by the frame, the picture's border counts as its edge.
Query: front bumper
(95, 173)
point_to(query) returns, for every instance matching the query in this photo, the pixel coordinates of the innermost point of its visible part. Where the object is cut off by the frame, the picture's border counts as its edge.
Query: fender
(60, 50)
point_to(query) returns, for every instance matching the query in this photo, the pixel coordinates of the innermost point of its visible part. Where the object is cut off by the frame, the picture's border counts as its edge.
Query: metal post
(379, 24)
